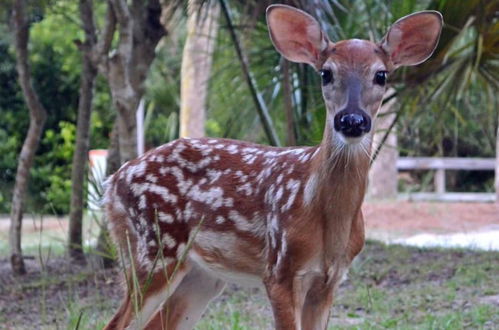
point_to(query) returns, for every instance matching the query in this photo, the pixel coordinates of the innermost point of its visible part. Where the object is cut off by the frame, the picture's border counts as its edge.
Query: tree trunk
(497, 163)
(38, 115)
(202, 26)
(80, 157)
(127, 128)
(126, 70)
(383, 173)
(139, 28)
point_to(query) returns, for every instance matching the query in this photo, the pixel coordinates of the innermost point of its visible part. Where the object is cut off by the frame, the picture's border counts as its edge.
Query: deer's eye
(380, 78)
(327, 76)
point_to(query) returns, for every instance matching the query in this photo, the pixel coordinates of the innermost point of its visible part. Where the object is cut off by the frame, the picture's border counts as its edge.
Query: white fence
(440, 165)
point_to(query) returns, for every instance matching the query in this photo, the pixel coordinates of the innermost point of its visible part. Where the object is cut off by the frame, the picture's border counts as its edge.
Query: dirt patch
(43, 297)
(409, 218)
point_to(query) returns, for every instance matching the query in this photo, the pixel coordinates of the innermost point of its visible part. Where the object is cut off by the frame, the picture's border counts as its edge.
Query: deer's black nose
(352, 124)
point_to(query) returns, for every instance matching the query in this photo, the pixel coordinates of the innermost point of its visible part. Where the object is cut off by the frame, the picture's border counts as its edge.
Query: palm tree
(202, 28)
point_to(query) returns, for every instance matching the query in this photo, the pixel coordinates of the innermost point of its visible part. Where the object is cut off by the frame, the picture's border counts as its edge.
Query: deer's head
(354, 72)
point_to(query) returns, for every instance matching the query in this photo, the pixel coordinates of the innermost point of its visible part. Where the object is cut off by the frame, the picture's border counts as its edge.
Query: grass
(389, 287)
(406, 288)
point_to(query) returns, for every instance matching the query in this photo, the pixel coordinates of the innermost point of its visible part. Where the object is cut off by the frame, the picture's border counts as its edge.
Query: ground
(389, 286)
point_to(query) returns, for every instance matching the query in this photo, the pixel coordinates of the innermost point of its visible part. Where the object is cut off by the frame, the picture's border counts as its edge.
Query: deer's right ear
(296, 35)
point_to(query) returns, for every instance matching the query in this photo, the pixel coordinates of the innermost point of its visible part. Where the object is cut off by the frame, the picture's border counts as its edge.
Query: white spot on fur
(182, 184)
(168, 240)
(142, 202)
(316, 152)
(269, 195)
(274, 228)
(246, 189)
(281, 254)
(304, 158)
(135, 170)
(165, 217)
(278, 194)
(240, 221)
(249, 158)
(188, 212)
(310, 189)
(140, 188)
(213, 175)
(250, 150)
(212, 197)
(151, 178)
(232, 149)
(176, 158)
(219, 219)
(293, 186)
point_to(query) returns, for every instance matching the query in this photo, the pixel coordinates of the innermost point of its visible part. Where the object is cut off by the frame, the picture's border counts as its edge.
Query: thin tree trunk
(80, 157)
(497, 163)
(288, 103)
(202, 26)
(38, 115)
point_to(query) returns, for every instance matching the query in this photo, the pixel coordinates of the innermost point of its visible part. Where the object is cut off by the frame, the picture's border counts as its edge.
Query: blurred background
(121, 77)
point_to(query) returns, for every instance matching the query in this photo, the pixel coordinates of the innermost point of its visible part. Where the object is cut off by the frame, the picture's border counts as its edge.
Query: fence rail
(440, 165)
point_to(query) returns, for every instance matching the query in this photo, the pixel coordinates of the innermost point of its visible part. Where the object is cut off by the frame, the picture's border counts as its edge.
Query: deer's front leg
(286, 295)
(317, 306)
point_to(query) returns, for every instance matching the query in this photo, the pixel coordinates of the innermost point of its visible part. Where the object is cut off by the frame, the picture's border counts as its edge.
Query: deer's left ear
(412, 39)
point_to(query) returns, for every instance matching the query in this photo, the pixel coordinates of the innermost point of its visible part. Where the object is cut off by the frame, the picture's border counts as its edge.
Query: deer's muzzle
(352, 124)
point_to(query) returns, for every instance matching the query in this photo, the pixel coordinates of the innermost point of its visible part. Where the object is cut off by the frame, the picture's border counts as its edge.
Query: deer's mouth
(351, 140)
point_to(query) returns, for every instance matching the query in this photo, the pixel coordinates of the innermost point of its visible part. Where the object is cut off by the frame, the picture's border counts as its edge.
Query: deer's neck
(341, 173)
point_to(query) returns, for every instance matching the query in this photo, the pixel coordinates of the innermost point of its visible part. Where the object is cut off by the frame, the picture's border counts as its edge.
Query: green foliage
(52, 171)
(162, 96)
(56, 66)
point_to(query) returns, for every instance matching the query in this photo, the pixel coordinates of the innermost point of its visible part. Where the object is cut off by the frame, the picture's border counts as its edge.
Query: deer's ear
(296, 35)
(412, 39)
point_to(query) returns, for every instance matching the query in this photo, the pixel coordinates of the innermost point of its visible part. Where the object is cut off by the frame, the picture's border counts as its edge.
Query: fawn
(194, 214)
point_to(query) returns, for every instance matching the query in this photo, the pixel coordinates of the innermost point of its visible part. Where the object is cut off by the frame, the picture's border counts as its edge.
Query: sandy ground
(408, 218)
(383, 220)
(466, 225)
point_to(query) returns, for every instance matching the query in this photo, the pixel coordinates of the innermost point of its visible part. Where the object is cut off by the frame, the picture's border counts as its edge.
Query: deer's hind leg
(187, 304)
(145, 294)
